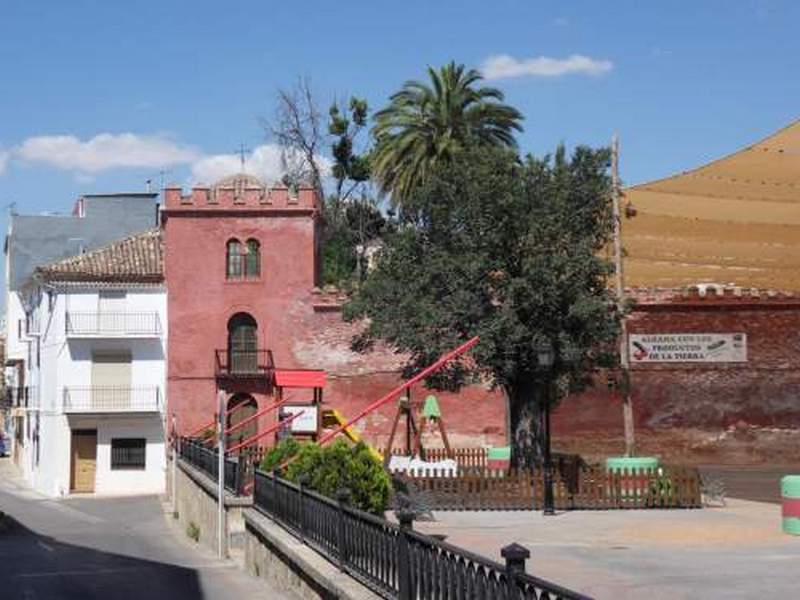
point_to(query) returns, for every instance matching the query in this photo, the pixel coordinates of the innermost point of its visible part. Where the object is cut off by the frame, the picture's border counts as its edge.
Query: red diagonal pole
(261, 434)
(402, 388)
(254, 416)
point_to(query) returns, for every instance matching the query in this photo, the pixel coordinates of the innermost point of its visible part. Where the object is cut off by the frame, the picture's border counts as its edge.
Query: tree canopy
(427, 124)
(507, 249)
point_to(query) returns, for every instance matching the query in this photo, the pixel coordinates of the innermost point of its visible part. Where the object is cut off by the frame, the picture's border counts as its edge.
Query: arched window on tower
(234, 268)
(243, 344)
(252, 259)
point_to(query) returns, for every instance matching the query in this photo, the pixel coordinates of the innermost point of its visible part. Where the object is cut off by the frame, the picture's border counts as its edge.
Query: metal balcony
(112, 399)
(113, 324)
(244, 364)
(22, 397)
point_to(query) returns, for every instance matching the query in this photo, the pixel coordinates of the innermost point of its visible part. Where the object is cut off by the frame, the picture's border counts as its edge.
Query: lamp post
(546, 358)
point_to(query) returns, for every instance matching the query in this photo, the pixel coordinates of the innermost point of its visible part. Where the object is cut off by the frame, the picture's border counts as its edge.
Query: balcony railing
(22, 397)
(113, 324)
(244, 363)
(112, 399)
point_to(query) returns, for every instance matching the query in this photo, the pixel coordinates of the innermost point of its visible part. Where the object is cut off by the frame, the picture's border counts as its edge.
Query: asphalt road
(106, 548)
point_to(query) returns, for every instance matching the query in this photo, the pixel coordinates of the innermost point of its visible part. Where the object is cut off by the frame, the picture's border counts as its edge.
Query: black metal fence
(206, 459)
(393, 560)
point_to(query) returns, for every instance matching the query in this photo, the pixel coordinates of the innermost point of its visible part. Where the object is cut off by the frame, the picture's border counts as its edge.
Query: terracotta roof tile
(138, 258)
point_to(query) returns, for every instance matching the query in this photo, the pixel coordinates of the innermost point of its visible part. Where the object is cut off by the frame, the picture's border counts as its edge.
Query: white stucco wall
(15, 346)
(67, 362)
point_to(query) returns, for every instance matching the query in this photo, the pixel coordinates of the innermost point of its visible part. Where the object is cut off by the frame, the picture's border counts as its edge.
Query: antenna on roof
(242, 150)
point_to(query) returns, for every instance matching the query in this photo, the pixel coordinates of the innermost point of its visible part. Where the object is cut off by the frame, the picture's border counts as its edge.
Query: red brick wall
(763, 391)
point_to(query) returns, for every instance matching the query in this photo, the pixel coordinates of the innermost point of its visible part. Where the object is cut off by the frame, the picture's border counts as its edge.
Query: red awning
(299, 378)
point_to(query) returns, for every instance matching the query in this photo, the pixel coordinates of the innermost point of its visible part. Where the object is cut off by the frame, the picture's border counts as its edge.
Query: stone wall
(265, 549)
(196, 502)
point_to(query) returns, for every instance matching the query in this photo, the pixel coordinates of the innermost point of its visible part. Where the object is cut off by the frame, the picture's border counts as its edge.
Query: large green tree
(425, 125)
(510, 250)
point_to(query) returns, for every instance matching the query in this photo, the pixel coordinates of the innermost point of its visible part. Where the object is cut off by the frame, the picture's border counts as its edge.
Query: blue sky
(100, 96)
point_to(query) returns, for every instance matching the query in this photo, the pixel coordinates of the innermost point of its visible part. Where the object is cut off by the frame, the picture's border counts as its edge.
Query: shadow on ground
(37, 567)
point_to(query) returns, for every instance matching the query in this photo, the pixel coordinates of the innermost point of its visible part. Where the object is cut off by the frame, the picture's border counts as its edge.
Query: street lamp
(546, 357)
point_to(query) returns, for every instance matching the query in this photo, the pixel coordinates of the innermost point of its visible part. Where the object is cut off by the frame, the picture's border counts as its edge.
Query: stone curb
(319, 572)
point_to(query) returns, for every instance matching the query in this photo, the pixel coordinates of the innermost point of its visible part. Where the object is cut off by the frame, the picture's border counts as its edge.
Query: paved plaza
(734, 552)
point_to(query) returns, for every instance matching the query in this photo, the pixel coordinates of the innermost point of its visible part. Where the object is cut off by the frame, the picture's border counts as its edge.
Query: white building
(33, 240)
(96, 325)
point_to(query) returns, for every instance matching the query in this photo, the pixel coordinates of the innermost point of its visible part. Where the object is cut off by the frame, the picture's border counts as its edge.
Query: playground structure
(311, 422)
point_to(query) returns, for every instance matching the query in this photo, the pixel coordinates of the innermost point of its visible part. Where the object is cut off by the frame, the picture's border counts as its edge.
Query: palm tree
(425, 125)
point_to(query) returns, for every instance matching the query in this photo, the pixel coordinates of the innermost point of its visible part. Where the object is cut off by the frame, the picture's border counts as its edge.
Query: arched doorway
(241, 407)
(243, 343)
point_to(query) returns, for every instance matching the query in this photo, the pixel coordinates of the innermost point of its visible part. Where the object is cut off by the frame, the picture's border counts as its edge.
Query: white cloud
(105, 151)
(4, 155)
(264, 162)
(502, 66)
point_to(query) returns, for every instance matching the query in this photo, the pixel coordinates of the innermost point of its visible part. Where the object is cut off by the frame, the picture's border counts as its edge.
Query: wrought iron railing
(206, 459)
(22, 397)
(113, 324)
(109, 398)
(393, 560)
(244, 363)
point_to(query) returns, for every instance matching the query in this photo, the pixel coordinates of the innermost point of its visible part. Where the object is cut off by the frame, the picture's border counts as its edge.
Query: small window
(234, 268)
(128, 453)
(243, 261)
(252, 264)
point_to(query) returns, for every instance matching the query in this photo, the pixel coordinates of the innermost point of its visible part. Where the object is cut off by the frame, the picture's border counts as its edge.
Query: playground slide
(333, 418)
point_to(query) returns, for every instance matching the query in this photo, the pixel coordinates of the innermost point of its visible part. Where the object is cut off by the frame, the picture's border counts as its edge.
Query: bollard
(790, 493)
(404, 581)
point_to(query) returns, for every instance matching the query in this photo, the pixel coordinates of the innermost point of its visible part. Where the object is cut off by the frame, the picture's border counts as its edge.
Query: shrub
(331, 468)
(285, 449)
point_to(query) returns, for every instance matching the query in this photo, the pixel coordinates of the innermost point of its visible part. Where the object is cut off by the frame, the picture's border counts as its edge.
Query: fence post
(342, 496)
(515, 556)
(302, 482)
(404, 583)
(176, 450)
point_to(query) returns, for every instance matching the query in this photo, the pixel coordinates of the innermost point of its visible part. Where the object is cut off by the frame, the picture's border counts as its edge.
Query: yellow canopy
(733, 221)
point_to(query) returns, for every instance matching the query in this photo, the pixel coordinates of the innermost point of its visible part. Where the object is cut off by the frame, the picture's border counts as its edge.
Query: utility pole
(624, 359)
(221, 476)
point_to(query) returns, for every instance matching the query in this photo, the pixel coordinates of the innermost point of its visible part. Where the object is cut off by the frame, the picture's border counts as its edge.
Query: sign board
(305, 423)
(687, 347)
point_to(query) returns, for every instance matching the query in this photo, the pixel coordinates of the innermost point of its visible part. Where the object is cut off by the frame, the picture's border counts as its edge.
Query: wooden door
(243, 344)
(84, 460)
(241, 407)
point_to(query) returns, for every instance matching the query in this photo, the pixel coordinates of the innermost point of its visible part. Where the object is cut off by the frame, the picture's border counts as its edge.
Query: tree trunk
(525, 422)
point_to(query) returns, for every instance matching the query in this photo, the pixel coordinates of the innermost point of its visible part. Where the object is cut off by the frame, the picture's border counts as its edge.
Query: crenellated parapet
(711, 294)
(242, 193)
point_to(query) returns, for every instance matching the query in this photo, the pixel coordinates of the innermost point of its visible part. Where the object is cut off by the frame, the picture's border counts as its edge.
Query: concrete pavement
(106, 548)
(737, 552)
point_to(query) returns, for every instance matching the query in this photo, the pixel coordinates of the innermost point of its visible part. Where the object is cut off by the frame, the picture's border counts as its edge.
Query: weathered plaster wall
(201, 300)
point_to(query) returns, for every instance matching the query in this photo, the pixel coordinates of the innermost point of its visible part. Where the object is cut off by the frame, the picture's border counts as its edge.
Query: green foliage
(348, 224)
(507, 249)
(193, 531)
(345, 125)
(427, 125)
(334, 467)
(276, 456)
(662, 489)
